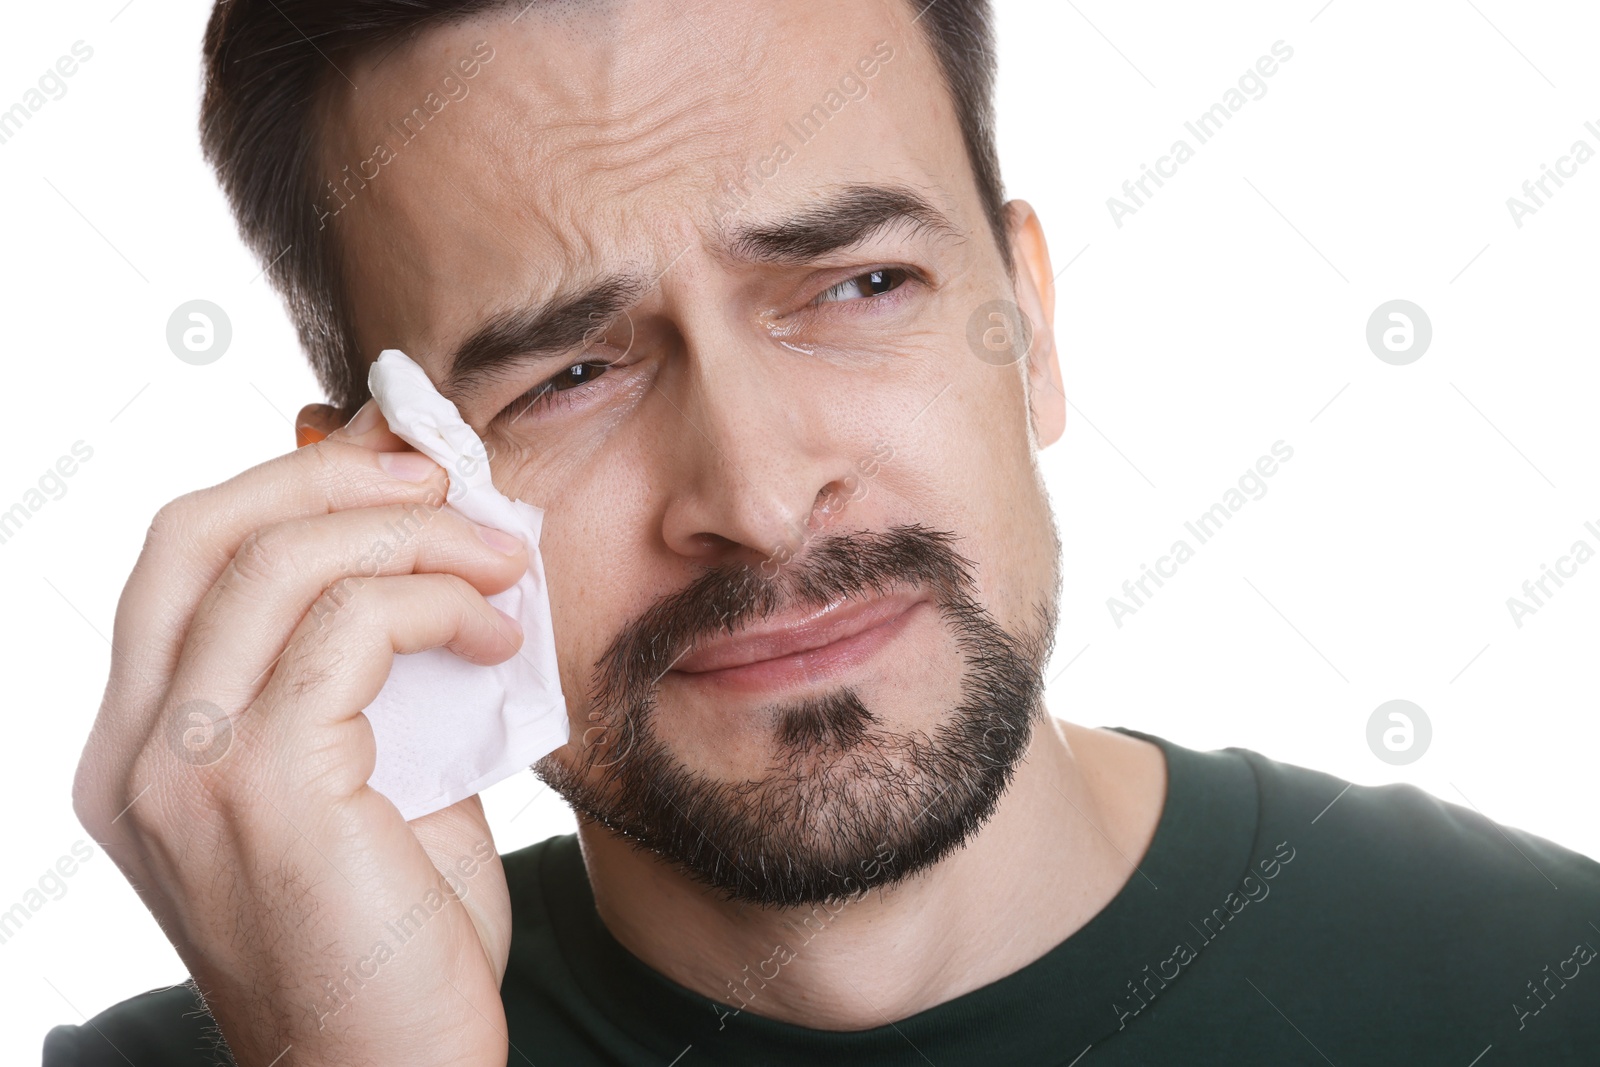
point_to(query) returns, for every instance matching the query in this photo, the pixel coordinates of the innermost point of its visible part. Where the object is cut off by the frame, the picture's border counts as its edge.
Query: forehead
(596, 135)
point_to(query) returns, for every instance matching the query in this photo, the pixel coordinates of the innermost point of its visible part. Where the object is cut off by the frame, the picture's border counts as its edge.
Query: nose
(758, 457)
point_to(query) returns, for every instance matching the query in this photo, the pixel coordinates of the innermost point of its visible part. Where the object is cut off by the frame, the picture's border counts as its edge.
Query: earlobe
(1036, 294)
(315, 422)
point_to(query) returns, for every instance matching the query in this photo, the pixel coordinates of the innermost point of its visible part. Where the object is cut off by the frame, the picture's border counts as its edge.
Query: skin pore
(750, 397)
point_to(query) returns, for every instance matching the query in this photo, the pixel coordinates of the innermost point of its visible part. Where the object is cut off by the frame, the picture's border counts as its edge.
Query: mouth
(800, 648)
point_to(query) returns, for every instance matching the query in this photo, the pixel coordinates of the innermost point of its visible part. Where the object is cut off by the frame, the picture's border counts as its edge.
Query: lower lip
(809, 667)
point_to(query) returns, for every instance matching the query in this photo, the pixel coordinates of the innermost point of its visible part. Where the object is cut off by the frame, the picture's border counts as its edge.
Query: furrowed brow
(540, 331)
(839, 221)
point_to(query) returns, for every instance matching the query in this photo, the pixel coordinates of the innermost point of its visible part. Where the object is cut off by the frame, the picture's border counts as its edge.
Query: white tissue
(447, 728)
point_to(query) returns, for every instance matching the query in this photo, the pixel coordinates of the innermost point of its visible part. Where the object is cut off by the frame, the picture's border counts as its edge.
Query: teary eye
(574, 376)
(549, 392)
(872, 283)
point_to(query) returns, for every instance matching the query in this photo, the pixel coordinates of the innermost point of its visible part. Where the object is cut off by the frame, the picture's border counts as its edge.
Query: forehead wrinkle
(627, 168)
(631, 122)
(579, 161)
(590, 209)
(638, 123)
(666, 138)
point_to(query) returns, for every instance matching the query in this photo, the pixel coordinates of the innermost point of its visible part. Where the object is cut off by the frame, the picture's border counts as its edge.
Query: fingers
(193, 538)
(369, 429)
(317, 422)
(245, 620)
(308, 713)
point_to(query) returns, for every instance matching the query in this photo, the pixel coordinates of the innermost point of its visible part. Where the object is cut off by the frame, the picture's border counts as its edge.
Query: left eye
(873, 283)
(555, 392)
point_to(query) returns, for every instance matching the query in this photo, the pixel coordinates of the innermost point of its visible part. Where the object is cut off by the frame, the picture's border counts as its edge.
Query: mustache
(726, 598)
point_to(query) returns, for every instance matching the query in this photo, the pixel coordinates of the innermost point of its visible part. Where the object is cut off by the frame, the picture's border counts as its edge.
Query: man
(733, 294)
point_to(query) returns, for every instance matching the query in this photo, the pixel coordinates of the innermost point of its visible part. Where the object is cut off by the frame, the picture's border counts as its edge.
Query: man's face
(752, 398)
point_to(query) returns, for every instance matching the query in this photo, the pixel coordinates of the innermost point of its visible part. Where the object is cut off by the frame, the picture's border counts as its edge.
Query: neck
(1062, 842)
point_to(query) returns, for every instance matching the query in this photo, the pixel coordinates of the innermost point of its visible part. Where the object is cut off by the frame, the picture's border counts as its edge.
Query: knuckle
(353, 617)
(262, 555)
(172, 519)
(310, 675)
(453, 586)
(323, 653)
(134, 802)
(332, 603)
(456, 599)
(337, 466)
(89, 796)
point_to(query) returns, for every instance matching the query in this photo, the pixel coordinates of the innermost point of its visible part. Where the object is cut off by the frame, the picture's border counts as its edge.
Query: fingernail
(307, 435)
(499, 540)
(364, 420)
(511, 624)
(407, 466)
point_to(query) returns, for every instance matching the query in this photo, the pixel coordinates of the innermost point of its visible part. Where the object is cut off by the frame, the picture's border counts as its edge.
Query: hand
(226, 772)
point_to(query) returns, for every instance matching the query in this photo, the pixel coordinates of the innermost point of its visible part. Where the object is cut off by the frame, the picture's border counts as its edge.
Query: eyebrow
(841, 220)
(552, 328)
(541, 331)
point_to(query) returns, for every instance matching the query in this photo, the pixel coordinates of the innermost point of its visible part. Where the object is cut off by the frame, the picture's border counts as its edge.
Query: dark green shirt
(1281, 916)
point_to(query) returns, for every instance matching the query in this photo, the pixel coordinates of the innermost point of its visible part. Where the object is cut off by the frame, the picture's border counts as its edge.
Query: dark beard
(847, 805)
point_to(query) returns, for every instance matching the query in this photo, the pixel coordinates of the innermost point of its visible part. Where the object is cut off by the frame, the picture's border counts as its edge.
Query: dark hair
(269, 68)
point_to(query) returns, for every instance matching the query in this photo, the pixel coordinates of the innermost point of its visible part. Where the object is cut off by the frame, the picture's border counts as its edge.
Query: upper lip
(794, 632)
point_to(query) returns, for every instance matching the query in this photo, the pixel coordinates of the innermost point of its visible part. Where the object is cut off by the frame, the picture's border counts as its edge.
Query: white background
(1228, 313)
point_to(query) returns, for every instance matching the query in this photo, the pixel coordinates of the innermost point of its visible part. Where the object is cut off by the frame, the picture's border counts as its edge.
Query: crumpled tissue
(447, 728)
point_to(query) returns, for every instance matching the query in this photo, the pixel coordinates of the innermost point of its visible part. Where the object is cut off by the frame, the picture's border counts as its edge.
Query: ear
(1036, 296)
(315, 422)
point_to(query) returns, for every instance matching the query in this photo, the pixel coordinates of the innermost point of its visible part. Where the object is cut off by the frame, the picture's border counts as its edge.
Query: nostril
(831, 501)
(712, 543)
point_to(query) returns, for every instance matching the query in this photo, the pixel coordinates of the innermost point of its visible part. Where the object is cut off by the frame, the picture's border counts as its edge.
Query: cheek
(969, 447)
(594, 543)
(966, 465)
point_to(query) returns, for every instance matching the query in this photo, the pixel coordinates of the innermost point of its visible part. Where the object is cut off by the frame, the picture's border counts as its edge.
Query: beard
(845, 804)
